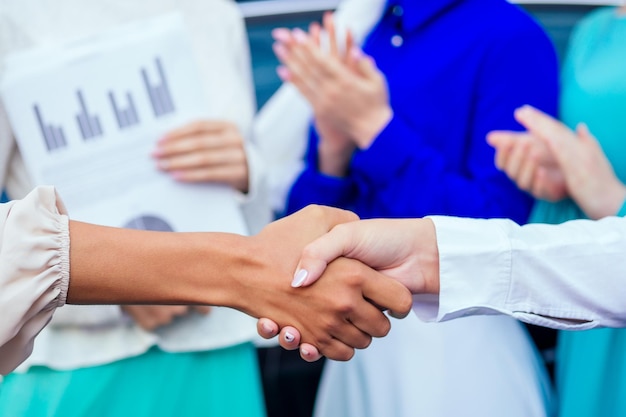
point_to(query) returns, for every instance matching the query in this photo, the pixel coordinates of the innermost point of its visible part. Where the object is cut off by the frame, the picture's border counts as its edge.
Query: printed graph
(159, 93)
(90, 126)
(116, 108)
(126, 117)
(52, 135)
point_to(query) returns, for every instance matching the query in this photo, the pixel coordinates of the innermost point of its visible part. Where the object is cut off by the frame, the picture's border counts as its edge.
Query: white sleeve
(569, 276)
(34, 270)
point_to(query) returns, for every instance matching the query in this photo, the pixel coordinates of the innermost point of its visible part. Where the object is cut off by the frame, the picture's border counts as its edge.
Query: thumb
(318, 254)
(554, 134)
(364, 64)
(585, 136)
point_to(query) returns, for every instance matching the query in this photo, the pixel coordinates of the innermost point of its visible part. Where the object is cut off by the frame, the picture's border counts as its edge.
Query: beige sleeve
(34, 270)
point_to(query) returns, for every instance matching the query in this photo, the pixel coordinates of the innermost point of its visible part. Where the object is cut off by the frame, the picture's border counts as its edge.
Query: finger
(283, 73)
(387, 293)
(315, 32)
(503, 142)
(546, 187)
(203, 157)
(282, 35)
(517, 158)
(195, 128)
(365, 64)
(174, 311)
(204, 310)
(554, 133)
(527, 172)
(289, 338)
(370, 320)
(530, 160)
(338, 351)
(348, 56)
(223, 174)
(266, 328)
(585, 136)
(294, 70)
(317, 255)
(309, 353)
(193, 143)
(329, 26)
(308, 58)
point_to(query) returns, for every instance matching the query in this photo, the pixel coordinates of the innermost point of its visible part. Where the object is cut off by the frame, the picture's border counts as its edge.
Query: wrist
(368, 127)
(611, 204)
(429, 257)
(333, 159)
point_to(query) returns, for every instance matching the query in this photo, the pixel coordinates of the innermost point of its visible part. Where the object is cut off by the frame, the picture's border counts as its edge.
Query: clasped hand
(347, 92)
(553, 162)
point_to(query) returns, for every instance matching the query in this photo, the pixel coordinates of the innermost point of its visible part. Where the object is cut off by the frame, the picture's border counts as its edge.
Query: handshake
(323, 279)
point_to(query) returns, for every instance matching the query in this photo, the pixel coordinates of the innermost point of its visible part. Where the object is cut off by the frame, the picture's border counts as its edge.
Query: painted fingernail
(289, 337)
(356, 53)
(283, 73)
(267, 328)
(279, 50)
(299, 278)
(281, 34)
(299, 35)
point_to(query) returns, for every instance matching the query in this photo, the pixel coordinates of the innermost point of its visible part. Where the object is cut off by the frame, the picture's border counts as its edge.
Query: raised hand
(529, 163)
(347, 92)
(568, 164)
(205, 151)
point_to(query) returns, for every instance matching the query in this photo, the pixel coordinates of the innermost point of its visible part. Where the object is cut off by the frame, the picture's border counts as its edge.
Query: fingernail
(299, 35)
(304, 352)
(283, 73)
(289, 337)
(280, 51)
(281, 34)
(299, 278)
(356, 53)
(267, 328)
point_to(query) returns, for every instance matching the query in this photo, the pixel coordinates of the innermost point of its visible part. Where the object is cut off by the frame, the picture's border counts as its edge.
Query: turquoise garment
(223, 382)
(591, 365)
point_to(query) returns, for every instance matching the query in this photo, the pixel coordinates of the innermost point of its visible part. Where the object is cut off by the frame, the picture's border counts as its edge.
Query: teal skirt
(591, 373)
(223, 382)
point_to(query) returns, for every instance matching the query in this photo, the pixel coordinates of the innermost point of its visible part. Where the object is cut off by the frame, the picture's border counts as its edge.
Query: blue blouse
(456, 69)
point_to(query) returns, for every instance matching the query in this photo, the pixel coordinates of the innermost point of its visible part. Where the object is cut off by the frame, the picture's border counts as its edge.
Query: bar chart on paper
(102, 101)
(122, 109)
(86, 116)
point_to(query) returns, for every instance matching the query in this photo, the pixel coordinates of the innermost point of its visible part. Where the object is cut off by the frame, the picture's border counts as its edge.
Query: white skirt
(476, 366)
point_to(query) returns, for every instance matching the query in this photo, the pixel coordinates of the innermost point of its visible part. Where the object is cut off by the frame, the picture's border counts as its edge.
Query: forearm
(121, 266)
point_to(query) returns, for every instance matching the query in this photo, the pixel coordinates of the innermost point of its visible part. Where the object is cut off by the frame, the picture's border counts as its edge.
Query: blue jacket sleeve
(406, 177)
(313, 187)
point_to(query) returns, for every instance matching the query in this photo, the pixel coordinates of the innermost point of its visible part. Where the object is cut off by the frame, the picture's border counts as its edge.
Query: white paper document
(87, 114)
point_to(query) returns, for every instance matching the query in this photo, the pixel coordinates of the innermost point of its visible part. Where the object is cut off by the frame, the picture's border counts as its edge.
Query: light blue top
(591, 365)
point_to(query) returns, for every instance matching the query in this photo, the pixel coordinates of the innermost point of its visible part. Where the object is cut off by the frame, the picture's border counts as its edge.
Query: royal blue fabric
(462, 68)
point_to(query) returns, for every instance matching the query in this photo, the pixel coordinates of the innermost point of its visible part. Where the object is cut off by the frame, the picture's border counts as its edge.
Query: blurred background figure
(569, 171)
(147, 360)
(410, 143)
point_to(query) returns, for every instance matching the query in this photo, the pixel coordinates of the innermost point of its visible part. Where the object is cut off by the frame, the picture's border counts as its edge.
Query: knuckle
(363, 344)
